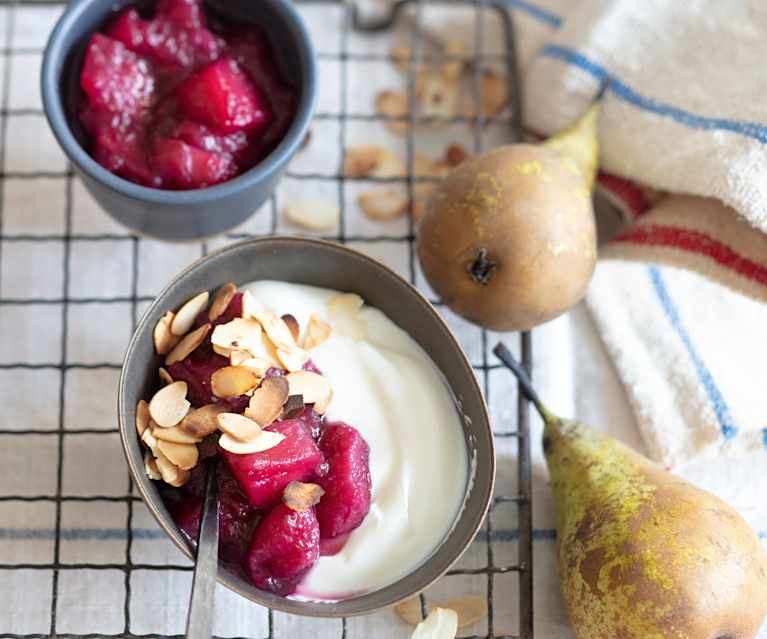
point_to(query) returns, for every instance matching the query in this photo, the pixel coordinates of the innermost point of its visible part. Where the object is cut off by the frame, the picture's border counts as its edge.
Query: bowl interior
(332, 266)
(66, 49)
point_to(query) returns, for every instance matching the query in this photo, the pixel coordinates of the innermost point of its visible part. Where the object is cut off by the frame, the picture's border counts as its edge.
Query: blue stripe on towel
(748, 129)
(540, 14)
(721, 409)
(764, 437)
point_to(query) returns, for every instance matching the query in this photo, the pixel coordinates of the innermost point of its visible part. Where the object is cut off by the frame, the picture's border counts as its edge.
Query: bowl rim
(56, 116)
(283, 604)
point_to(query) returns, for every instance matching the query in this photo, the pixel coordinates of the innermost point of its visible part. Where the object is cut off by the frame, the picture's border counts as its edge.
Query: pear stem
(504, 354)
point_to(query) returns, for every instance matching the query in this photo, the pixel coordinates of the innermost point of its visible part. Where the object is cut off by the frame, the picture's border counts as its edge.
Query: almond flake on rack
(169, 404)
(266, 403)
(221, 301)
(185, 316)
(393, 104)
(187, 345)
(150, 466)
(292, 323)
(233, 381)
(184, 456)
(441, 623)
(168, 470)
(469, 608)
(238, 426)
(202, 421)
(299, 496)
(265, 440)
(314, 215)
(383, 204)
(164, 376)
(317, 331)
(372, 160)
(164, 340)
(175, 434)
(239, 334)
(142, 417)
(276, 330)
(315, 389)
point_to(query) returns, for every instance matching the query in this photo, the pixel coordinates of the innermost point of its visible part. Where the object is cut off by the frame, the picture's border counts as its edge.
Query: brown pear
(642, 553)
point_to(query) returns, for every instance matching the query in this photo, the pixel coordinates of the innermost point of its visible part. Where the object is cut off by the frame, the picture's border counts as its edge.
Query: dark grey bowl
(175, 215)
(333, 266)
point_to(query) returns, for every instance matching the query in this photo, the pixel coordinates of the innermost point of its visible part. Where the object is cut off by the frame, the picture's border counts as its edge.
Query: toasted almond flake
(233, 381)
(401, 56)
(239, 334)
(392, 104)
(293, 360)
(452, 69)
(299, 497)
(469, 608)
(372, 160)
(224, 352)
(221, 301)
(317, 331)
(164, 340)
(383, 204)
(181, 478)
(314, 215)
(187, 345)
(293, 405)
(175, 434)
(142, 417)
(150, 466)
(315, 388)
(266, 440)
(410, 611)
(277, 330)
(439, 97)
(249, 306)
(494, 94)
(185, 316)
(258, 365)
(202, 421)
(168, 470)
(238, 426)
(185, 456)
(292, 324)
(164, 375)
(455, 154)
(343, 312)
(266, 403)
(440, 623)
(150, 440)
(169, 404)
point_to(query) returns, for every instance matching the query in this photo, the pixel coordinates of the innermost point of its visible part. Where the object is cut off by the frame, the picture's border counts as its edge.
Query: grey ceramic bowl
(175, 215)
(333, 266)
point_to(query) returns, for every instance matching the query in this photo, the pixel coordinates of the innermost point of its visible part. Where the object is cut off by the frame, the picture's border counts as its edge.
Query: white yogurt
(387, 387)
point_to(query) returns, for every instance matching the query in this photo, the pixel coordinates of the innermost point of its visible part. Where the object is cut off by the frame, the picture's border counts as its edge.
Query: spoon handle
(199, 622)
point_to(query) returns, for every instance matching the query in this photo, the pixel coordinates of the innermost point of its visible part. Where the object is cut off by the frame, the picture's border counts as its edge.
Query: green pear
(643, 554)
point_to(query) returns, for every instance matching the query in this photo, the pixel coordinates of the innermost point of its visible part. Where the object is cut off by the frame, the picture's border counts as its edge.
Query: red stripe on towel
(627, 192)
(695, 242)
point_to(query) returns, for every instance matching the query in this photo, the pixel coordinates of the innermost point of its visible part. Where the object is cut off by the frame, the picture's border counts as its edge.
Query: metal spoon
(199, 622)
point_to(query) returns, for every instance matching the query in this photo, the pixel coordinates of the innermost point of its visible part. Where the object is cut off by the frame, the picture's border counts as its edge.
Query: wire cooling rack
(77, 548)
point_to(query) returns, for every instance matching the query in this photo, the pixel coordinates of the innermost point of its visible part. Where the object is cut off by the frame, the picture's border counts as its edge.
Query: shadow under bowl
(175, 215)
(328, 265)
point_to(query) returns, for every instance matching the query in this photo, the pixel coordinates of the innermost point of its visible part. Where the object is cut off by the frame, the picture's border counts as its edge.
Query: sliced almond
(169, 404)
(258, 365)
(410, 611)
(266, 440)
(150, 466)
(401, 56)
(238, 426)
(299, 497)
(277, 330)
(248, 304)
(293, 360)
(372, 160)
(187, 345)
(168, 470)
(202, 421)
(185, 316)
(181, 478)
(221, 301)
(393, 104)
(314, 215)
(315, 388)
(176, 435)
(383, 204)
(469, 608)
(233, 381)
(439, 97)
(164, 340)
(455, 154)
(239, 334)
(164, 375)
(441, 623)
(142, 417)
(494, 94)
(184, 456)
(292, 324)
(266, 403)
(150, 440)
(452, 69)
(317, 331)
(343, 311)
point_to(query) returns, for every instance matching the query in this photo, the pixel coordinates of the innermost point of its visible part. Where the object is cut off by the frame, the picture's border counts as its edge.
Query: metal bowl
(327, 265)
